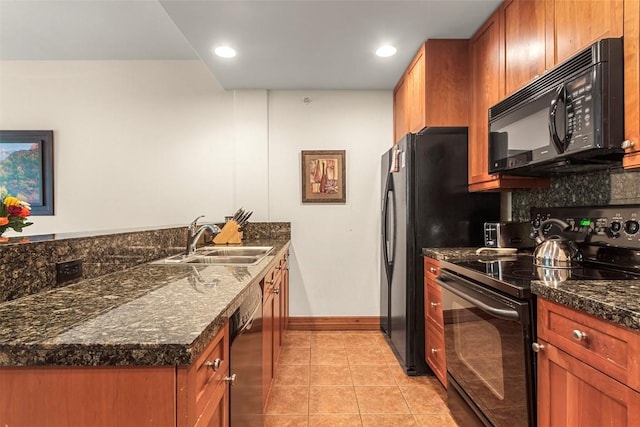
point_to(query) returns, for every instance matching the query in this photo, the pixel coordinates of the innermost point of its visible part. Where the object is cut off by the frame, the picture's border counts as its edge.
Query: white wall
(334, 263)
(135, 142)
(158, 142)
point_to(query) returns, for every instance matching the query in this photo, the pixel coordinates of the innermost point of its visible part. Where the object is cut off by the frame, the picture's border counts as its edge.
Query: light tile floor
(350, 378)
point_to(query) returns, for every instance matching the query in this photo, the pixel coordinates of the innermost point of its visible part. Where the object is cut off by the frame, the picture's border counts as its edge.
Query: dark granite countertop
(445, 254)
(617, 301)
(450, 254)
(147, 315)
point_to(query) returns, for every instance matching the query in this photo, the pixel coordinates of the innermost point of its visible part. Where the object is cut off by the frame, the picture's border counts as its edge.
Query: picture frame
(26, 167)
(324, 178)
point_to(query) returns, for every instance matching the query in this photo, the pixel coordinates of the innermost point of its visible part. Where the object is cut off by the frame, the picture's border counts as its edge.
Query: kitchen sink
(241, 255)
(236, 251)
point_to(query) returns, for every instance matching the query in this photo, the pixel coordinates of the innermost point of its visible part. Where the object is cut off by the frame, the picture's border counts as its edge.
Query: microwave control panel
(580, 112)
(606, 225)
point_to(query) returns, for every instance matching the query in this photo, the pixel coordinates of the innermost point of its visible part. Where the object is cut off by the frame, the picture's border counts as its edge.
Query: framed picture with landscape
(26, 167)
(324, 176)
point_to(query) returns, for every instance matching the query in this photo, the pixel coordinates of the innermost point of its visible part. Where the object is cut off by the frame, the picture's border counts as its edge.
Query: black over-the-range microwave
(570, 119)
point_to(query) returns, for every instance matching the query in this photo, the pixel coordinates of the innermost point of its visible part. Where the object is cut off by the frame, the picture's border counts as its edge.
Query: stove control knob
(616, 227)
(536, 223)
(631, 227)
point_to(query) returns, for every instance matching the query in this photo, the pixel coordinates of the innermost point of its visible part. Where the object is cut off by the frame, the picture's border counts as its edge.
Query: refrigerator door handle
(387, 237)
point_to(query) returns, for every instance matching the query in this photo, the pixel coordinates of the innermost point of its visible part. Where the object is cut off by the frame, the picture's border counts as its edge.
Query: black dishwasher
(245, 396)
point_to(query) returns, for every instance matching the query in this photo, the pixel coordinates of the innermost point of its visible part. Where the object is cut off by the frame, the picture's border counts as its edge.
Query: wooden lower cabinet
(587, 370)
(202, 388)
(572, 393)
(195, 395)
(434, 327)
(275, 316)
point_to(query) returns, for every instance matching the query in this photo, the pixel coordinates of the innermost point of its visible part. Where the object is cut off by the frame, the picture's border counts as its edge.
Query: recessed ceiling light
(225, 51)
(386, 50)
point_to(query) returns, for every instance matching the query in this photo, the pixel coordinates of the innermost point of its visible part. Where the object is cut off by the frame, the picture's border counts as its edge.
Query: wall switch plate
(68, 270)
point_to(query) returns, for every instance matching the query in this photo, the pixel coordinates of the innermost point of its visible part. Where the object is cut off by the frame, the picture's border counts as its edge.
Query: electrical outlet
(68, 270)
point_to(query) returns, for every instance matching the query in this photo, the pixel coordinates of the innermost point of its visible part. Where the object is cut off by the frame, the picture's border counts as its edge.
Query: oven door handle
(494, 311)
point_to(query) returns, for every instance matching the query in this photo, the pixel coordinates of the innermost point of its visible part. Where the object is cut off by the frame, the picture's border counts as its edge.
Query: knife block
(230, 234)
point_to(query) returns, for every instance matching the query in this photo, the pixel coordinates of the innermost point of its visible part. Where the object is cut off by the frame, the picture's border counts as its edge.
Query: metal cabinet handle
(269, 281)
(627, 143)
(215, 365)
(434, 304)
(579, 335)
(232, 379)
(276, 291)
(433, 270)
(434, 350)
(537, 347)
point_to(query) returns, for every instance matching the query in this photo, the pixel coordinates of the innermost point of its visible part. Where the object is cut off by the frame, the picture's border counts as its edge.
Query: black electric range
(512, 275)
(489, 312)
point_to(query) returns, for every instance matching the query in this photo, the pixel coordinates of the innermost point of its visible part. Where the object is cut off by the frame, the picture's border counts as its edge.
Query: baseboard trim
(335, 323)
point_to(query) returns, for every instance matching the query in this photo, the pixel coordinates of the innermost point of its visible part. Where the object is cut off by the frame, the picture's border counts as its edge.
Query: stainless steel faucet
(194, 233)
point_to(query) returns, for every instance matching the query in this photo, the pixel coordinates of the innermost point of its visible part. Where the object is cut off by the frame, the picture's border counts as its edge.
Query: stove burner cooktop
(513, 275)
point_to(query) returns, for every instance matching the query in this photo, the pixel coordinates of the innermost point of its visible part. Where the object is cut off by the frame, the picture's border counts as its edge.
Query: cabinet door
(578, 23)
(416, 87)
(267, 343)
(571, 393)
(277, 314)
(284, 301)
(400, 119)
(632, 82)
(524, 29)
(487, 89)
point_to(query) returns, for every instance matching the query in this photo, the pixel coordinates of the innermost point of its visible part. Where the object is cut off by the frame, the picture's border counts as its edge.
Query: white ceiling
(295, 44)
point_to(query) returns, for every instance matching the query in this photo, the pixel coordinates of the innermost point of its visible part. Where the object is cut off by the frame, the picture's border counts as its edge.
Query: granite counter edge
(603, 310)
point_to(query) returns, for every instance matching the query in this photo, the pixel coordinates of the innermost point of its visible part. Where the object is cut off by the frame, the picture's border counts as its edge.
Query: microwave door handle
(569, 129)
(553, 129)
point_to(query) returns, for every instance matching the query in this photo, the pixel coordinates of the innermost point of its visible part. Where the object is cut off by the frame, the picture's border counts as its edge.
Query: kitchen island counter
(151, 314)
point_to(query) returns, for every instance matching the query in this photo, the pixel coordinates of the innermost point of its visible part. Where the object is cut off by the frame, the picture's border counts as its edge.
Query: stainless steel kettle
(555, 251)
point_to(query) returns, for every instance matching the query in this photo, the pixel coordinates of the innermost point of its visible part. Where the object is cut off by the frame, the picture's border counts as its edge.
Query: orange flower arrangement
(13, 213)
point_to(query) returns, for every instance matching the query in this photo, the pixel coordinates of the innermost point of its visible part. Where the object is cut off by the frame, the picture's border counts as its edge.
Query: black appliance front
(488, 340)
(425, 203)
(570, 119)
(245, 361)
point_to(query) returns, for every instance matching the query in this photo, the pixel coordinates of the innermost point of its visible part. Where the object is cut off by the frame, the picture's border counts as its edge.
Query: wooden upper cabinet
(632, 82)
(416, 92)
(487, 65)
(434, 88)
(400, 119)
(524, 38)
(487, 88)
(578, 23)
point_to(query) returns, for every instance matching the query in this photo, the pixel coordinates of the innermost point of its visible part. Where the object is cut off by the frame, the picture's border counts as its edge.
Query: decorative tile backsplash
(28, 265)
(610, 187)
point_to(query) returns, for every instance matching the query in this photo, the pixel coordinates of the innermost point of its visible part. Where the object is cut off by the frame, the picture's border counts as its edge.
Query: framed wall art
(324, 176)
(26, 167)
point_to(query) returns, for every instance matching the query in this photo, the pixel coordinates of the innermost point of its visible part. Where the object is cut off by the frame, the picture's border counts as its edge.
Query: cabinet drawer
(434, 352)
(612, 349)
(210, 374)
(431, 268)
(433, 304)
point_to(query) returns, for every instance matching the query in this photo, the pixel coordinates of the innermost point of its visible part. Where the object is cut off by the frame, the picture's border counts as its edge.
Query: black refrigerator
(425, 203)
